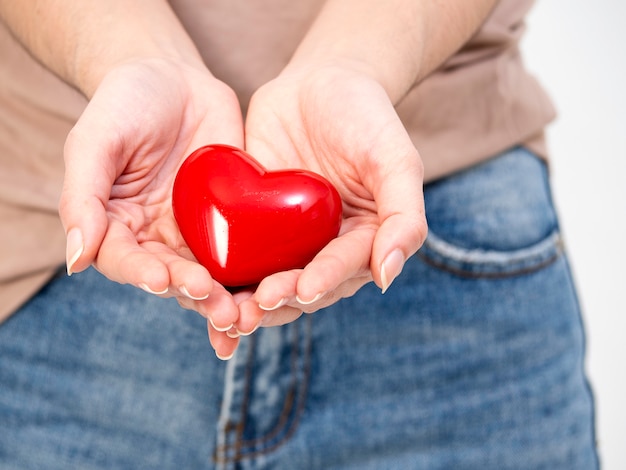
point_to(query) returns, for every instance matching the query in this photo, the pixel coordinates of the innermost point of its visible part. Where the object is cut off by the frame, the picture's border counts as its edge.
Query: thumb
(86, 188)
(398, 192)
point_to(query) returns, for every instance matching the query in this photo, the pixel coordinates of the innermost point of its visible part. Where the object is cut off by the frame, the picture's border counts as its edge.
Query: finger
(187, 277)
(219, 308)
(345, 257)
(224, 345)
(346, 289)
(123, 260)
(86, 187)
(398, 193)
(277, 290)
(250, 317)
(280, 317)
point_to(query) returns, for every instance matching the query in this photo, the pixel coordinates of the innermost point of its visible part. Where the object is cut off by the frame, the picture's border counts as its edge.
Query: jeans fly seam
(295, 397)
(224, 449)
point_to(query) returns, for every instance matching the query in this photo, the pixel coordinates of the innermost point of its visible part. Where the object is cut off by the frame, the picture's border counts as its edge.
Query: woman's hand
(341, 124)
(152, 102)
(121, 159)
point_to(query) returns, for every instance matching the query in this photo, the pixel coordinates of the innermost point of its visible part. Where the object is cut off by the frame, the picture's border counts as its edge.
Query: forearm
(81, 40)
(399, 42)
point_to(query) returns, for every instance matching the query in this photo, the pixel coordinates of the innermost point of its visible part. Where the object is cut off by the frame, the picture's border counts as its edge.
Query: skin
(331, 110)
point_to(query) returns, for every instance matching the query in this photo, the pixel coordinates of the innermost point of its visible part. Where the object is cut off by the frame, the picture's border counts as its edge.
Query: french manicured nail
(147, 288)
(308, 302)
(224, 358)
(391, 268)
(221, 328)
(74, 248)
(278, 304)
(186, 293)
(248, 333)
(233, 333)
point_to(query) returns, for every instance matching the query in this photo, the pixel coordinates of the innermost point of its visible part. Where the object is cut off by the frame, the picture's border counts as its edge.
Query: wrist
(114, 41)
(81, 41)
(370, 38)
(397, 43)
(350, 66)
(88, 70)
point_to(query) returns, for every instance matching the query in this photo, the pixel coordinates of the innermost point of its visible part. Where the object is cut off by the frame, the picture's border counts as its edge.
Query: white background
(577, 49)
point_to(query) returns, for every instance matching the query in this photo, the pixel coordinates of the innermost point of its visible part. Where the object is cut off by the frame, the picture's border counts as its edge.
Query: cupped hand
(340, 123)
(121, 160)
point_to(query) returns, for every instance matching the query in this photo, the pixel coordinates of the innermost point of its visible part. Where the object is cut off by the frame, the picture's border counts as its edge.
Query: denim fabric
(94, 375)
(473, 359)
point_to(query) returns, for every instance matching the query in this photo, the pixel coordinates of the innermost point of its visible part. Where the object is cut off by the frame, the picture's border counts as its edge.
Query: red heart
(243, 222)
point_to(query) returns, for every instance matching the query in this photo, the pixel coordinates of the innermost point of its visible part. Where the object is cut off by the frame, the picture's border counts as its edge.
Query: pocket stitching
(490, 264)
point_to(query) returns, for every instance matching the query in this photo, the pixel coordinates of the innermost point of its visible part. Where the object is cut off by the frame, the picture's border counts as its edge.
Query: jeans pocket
(482, 263)
(494, 220)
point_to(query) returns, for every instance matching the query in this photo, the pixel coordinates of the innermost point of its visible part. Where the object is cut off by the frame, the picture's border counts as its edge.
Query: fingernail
(225, 358)
(248, 333)
(221, 328)
(233, 333)
(74, 248)
(145, 287)
(278, 304)
(391, 268)
(308, 302)
(186, 293)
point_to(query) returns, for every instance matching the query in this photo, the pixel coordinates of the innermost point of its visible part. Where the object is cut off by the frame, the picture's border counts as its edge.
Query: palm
(121, 161)
(343, 127)
(156, 125)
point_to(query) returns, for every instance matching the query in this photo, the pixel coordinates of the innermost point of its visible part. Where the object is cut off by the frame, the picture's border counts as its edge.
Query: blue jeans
(472, 360)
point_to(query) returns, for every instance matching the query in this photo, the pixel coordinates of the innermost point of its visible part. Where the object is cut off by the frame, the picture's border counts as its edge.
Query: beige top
(480, 102)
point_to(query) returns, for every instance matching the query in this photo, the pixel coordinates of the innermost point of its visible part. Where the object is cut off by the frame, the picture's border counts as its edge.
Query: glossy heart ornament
(243, 222)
